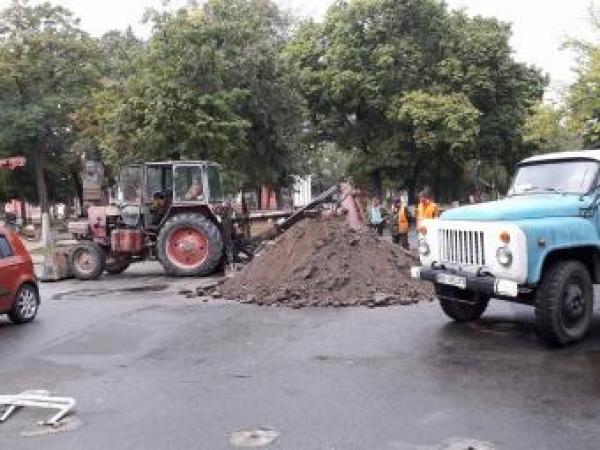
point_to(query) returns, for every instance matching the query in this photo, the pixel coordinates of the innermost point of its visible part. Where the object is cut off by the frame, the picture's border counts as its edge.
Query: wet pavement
(152, 369)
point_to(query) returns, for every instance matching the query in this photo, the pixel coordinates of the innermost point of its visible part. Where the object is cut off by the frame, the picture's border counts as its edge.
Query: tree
(253, 34)
(211, 84)
(369, 57)
(584, 99)
(120, 51)
(439, 131)
(176, 104)
(478, 62)
(328, 165)
(46, 69)
(546, 131)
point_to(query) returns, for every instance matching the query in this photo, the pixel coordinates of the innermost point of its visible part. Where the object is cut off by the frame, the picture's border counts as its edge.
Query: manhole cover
(253, 438)
(466, 444)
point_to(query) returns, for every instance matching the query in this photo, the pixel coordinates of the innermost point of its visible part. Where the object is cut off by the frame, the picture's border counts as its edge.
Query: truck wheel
(117, 265)
(190, 245)
(460, 305)
(564, 303)
(87, 260)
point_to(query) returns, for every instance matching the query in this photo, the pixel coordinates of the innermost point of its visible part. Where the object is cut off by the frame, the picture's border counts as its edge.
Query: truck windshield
(568, 177)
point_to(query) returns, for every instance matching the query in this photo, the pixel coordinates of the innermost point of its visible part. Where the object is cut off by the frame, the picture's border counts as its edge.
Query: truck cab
(538, 246)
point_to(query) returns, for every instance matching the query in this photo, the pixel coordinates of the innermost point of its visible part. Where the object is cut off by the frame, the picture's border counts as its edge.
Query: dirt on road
(325, 263)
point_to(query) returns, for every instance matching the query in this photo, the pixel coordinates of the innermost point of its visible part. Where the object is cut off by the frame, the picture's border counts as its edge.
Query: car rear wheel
(87, 260)
(461, 305)
(564, 303)
(26, 305)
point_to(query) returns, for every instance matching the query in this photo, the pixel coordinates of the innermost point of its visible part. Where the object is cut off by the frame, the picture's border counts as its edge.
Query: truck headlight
(504, 256)
(423, 247)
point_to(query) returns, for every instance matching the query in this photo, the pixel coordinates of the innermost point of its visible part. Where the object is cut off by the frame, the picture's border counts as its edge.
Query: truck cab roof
(577, 154)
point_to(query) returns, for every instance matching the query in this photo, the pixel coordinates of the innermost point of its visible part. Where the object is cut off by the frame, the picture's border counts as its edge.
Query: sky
(539, 26)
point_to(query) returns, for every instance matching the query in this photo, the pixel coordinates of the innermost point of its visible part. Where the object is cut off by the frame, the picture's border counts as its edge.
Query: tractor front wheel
(190, 245)
(87, 260)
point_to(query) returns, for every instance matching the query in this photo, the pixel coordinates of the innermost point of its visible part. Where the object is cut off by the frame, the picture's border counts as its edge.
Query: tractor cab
(150, 191)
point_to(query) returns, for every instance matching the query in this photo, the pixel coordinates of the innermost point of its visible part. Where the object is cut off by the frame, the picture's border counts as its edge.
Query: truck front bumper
(483, 284)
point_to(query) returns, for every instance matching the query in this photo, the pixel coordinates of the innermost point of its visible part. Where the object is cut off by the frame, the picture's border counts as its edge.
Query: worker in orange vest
(427, 209)
(403, 225)
(400, 224)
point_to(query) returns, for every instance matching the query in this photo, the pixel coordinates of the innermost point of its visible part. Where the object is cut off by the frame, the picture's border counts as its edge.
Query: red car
(19, 294)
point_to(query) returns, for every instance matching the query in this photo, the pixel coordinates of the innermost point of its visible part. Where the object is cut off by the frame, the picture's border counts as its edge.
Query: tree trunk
(39, 161)
(415, 171)
(23, 206)
(376, 183)
(78, 190)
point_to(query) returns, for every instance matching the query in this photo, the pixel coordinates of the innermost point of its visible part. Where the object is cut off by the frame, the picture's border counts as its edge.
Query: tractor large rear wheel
(190, 245)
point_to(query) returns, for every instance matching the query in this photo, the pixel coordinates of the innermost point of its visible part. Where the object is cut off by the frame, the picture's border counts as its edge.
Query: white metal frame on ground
(37, 399)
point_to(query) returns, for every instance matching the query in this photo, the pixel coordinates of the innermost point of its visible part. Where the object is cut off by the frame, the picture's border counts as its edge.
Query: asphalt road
(153, 370)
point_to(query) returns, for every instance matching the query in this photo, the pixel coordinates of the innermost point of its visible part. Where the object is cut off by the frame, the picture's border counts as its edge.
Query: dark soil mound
(325, 263)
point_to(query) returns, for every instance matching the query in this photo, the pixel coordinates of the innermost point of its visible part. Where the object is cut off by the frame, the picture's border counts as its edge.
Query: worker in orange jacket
(400, 224)
(427, 208)
(403, 225)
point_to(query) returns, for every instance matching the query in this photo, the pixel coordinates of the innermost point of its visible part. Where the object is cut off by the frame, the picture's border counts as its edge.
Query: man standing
(394, 222)
(376, 219)
(427, 209)
(403, 225)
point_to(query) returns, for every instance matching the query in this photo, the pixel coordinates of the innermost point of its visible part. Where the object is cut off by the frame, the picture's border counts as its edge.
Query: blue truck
(539, 246)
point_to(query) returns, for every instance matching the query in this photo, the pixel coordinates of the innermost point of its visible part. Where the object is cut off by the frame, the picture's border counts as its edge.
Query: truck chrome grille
(462, 247)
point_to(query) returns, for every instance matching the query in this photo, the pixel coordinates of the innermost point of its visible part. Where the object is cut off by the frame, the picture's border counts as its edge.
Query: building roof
(578, 154)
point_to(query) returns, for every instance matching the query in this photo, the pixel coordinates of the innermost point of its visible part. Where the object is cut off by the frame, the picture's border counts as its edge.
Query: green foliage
(328, 165)
(398, 93)
(479, 63)
(211, 84)
(584, 99)
(174, 103)
(385, 79)
(46, 68)
(546, 131)
(437, 121)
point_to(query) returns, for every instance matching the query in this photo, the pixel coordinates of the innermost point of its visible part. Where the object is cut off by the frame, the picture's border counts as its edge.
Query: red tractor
(170, 211)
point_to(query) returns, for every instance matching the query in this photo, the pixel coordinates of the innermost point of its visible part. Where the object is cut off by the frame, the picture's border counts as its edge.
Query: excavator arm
(346, 204)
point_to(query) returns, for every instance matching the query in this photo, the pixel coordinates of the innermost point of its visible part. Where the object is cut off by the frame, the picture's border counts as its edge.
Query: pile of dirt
(325, 263)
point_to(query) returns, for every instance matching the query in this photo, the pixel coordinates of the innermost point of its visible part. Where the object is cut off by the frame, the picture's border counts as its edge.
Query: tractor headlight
(504, 256)
(423, 247)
